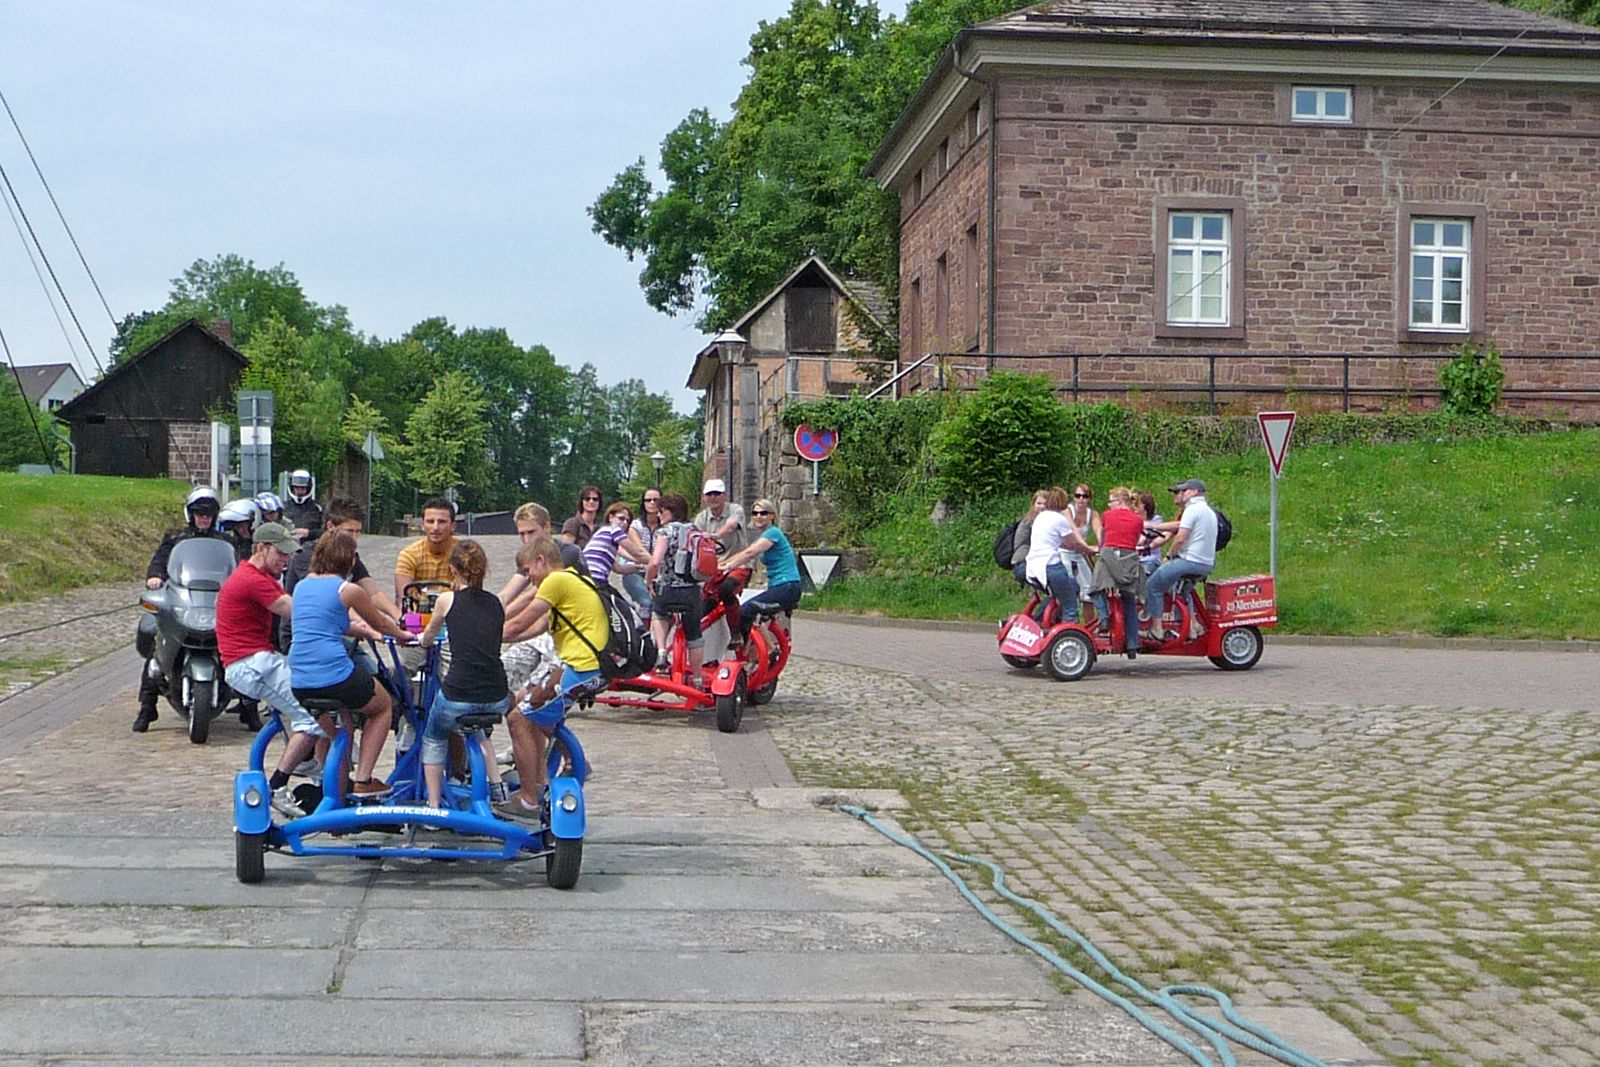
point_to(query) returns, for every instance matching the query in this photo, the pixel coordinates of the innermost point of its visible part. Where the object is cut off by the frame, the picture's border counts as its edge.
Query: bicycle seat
(323, 706)
(1186, 585)
(767, 611)
(479, 720)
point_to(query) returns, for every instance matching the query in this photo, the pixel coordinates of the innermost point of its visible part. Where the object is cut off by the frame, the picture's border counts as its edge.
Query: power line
(43, 285)
(33, 415)
(59, 214)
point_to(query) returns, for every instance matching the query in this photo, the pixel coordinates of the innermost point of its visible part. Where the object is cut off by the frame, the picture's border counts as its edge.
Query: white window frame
(1320, 114)
(1195, 249)
(791, 376)
(1429, 262)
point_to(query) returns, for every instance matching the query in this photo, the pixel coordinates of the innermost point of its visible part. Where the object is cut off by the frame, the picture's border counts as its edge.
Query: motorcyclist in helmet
(237, 521)
(301, 513)
(201, 508)
(270, 506)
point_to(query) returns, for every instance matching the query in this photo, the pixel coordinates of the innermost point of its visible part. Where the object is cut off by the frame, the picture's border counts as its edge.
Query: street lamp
(658, 460)
(730, 353)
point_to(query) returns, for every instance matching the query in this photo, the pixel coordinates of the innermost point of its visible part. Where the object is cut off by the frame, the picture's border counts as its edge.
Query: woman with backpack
(777, 556)
(1022, 538)
(671, 570)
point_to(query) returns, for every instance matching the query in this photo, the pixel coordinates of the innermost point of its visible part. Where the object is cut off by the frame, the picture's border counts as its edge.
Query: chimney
(223, 328)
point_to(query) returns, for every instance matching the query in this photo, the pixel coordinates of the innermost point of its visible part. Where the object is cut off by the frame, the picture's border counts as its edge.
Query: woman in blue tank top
(777, 556)
(320, 666)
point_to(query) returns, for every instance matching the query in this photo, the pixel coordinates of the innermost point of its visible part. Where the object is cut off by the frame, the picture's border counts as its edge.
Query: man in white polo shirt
(1192, 553)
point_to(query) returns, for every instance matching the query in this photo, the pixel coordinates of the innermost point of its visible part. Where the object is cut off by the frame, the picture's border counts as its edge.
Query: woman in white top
(1085, 520)
(1052, 532)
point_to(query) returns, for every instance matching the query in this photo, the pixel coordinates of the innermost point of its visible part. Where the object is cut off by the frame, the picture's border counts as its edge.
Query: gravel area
(42, 638)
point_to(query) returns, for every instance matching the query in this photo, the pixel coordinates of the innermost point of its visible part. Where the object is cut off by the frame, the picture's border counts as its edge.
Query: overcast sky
(404, 159)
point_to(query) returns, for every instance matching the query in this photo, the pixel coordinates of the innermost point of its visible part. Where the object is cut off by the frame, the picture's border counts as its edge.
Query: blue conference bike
(389, 827)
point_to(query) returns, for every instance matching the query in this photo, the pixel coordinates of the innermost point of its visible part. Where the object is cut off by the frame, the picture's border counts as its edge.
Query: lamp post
(659, 461)
(730, 353)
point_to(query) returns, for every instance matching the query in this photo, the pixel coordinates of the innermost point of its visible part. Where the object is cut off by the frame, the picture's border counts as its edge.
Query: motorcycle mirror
(153, 600)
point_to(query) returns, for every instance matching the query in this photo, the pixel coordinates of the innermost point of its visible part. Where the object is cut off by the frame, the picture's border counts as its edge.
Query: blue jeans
(1064, 588)
(1166, 576)
(634, 585)
(1130, 615)
(1019, 571)
(442, 722)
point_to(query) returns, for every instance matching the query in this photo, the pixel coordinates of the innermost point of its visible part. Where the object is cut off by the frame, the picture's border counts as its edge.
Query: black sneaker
(142, 721)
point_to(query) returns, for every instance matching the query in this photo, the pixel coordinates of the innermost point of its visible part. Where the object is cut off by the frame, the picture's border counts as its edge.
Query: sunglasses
(652, 500)
(1081, 496)
(713, 492)
(758, 511)
(589, 498)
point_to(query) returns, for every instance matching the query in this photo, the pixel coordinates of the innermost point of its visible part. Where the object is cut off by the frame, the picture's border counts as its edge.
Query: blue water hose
(1215, 1032)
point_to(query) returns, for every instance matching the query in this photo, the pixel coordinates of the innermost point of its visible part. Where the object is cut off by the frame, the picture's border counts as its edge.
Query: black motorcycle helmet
(202, 501)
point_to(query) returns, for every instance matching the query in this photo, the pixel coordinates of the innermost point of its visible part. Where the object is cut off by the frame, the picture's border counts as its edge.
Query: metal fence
(1342, 380)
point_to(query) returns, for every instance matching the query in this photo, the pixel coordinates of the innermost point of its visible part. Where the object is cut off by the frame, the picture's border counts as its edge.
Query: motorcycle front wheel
(201, 707)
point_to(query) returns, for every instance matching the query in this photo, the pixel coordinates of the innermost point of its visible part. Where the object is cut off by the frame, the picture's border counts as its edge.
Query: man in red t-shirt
(252, 666)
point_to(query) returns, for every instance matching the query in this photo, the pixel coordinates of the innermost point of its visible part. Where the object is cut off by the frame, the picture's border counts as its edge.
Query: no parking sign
(815, 445)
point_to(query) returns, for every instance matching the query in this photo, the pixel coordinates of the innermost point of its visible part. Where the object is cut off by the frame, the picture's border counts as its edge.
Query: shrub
(1012, 434)
(1471, 383)
(882, 449)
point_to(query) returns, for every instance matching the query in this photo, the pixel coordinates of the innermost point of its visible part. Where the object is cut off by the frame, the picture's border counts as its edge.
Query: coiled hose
(1215, 1032)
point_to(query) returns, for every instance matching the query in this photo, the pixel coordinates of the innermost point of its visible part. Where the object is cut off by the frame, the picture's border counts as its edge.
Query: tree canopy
(462, 408)
(745, 200)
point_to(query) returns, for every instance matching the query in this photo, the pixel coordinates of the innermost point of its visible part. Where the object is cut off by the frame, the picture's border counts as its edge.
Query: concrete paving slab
(669, 930)
(806, 861)
(314, 883)
(707, 977)
(609, 892)
(163, 972)
(289, 1029)
(933, 1033)
(106, 853)
(130, 926)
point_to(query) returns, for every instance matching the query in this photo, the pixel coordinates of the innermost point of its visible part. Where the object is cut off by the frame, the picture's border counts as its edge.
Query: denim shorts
(442, 719)
(574, 684)
(264, 676)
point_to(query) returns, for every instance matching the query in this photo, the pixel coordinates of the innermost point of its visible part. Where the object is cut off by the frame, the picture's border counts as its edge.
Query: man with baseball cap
(724, 520)
(1191, 553)
(251, 665)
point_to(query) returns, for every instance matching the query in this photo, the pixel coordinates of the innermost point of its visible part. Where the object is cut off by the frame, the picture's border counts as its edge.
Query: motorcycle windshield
(201, 559)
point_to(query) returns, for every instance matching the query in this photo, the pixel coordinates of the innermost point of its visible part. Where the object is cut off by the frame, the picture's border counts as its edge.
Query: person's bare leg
(527, 753)
(295, 752)
(490, 764)
(372, 735)
(433, 778)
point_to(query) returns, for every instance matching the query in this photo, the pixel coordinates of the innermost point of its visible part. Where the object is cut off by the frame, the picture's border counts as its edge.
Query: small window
(1198, 268)
(972, 124)
(916, 188)
(1441, 259)
(1322, 104)
(792, 378)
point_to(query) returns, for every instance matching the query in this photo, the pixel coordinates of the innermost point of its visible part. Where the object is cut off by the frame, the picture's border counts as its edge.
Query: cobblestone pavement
(1429, 878)
(57, 633)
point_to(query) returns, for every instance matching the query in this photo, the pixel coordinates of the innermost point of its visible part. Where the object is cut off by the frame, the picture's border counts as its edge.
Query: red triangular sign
(1276, 426)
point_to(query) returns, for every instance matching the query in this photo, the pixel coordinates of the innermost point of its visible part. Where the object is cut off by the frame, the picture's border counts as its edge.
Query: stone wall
(807, 519)
(189, 451)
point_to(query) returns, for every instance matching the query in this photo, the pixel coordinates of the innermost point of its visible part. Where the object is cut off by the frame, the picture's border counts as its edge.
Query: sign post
(815, 445)
(1276, 426)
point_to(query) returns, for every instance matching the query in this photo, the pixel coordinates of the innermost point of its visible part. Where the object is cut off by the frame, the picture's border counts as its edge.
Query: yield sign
(1276, 426)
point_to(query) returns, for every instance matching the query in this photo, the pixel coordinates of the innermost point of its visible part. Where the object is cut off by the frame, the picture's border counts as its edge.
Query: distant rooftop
(38, 380)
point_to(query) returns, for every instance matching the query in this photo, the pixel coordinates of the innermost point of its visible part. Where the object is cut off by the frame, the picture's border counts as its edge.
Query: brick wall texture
(1083, 159)
(189, 451)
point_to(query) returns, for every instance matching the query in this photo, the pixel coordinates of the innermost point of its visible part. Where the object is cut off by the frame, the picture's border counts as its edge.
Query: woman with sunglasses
(642, 541)
(1085, 519)
(777, 556)
(578, 529)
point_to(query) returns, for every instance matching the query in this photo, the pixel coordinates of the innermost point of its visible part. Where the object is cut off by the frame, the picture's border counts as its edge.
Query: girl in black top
(475, 681)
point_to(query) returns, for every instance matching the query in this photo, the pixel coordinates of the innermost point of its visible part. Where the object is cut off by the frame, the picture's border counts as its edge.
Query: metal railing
(1215, 376)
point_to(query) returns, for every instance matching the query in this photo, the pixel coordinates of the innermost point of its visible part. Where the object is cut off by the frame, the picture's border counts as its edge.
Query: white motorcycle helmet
(202, 500)
(238, 512)
(269, 504)
(299, 485)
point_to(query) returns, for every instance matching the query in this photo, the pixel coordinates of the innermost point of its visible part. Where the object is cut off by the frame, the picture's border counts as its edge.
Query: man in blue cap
(1191, 554)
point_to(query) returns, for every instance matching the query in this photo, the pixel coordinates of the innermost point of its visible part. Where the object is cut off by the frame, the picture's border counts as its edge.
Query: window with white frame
(1320, 103)
(1441, 254)
(1198, 268)
(792, 376)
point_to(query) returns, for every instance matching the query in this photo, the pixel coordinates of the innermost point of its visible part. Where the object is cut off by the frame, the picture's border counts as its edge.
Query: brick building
(1144, 184)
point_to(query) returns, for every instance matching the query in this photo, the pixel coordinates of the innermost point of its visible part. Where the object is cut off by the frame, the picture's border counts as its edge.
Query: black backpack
(1224, 529)
(630, 650)
(1004, 545)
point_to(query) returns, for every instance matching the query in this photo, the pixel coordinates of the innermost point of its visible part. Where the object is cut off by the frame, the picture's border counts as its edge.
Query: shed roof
(40, 378)
(69, 408)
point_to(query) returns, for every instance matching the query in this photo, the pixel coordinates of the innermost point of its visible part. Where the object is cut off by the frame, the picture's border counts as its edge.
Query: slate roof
(39, 379)
(1438, 23)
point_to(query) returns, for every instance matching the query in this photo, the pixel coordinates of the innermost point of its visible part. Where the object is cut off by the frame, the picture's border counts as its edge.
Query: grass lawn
(61, 531)
(1489, 537)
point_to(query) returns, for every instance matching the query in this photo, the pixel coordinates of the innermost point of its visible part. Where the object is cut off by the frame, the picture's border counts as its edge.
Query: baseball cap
(274, 534)
(1193, 483)
(714, 485)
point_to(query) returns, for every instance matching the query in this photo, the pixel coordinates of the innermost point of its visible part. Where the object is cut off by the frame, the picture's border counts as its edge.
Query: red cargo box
(1252, 599)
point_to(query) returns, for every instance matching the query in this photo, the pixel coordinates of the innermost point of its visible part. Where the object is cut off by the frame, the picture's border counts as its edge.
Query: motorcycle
(178, 639)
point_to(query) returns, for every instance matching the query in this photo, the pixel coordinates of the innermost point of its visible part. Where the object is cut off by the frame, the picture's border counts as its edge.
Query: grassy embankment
(1489, 537)
(58, 532)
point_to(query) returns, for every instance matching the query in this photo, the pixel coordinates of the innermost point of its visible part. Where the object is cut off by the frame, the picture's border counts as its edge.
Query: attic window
(1315, 103)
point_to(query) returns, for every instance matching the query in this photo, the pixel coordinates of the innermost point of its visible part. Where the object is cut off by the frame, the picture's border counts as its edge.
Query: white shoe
(285, 803)
(505, 758)
(308, 768)
(408, 737)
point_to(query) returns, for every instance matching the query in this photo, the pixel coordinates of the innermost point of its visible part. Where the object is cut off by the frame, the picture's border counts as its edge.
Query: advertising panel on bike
(1252, 598)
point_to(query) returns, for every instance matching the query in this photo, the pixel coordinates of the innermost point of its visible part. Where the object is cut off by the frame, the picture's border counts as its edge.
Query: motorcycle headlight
(199, 618)
(568, 802)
